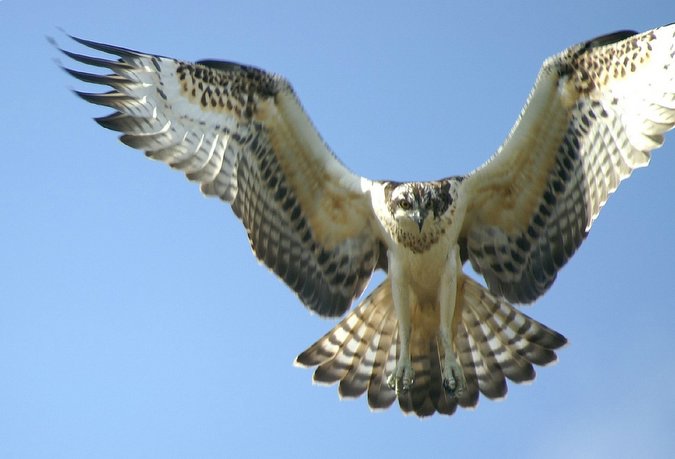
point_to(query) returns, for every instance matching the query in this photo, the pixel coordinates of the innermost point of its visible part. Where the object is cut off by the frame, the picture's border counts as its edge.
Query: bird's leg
(401, 379)
(452, 374)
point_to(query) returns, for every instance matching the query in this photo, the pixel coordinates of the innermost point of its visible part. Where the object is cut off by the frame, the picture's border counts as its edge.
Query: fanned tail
(493, 341)
(359, 350)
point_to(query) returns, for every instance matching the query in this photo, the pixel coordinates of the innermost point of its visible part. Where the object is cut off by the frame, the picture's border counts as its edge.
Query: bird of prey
(428, 336)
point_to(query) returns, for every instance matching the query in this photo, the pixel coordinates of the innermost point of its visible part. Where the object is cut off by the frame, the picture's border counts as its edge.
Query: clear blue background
(135, 323)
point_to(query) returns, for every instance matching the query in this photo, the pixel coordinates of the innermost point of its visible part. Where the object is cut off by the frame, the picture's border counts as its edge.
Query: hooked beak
(418, 218)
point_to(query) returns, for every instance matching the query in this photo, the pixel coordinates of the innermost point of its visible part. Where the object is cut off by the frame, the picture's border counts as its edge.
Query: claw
(401, 380)
(453, 377)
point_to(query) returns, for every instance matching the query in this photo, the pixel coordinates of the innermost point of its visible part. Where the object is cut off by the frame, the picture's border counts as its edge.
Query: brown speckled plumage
(596, 112)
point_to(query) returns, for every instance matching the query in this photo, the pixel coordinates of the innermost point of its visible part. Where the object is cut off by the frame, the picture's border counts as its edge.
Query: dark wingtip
(110, 49)
(113, 80)
(114, 121)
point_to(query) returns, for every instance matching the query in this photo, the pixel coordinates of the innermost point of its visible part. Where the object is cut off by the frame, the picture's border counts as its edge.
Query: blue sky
(134, 321)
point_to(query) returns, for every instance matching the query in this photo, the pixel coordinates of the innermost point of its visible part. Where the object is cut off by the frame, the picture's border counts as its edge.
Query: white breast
(423, 272)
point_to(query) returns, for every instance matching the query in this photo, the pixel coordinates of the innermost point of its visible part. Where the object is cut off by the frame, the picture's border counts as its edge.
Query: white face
(419, 213)
(411, 208)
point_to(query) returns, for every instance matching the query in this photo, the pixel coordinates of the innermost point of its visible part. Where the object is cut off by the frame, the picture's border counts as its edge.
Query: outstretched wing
(242, 134)
(596, 112)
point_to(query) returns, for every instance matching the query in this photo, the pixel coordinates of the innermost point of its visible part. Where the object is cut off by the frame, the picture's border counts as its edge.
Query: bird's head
(419, 212)
(411, 205)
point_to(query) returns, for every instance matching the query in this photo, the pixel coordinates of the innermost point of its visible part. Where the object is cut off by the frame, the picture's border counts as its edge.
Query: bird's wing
(242, 134)
(596, 112)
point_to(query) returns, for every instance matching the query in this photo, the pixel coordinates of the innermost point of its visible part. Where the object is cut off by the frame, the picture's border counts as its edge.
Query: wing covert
(242, 134)
(596, 112)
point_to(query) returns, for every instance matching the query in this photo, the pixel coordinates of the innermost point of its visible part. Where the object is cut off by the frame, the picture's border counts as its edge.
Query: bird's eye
(405, 205)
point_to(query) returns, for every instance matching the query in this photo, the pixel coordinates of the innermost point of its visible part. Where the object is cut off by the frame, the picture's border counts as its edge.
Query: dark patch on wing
(231, 158)
(597, 151)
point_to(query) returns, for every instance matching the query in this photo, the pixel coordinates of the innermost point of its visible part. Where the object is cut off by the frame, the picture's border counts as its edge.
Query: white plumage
(428, 336)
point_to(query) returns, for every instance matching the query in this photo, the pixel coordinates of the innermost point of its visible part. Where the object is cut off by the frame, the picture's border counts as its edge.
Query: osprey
(429, 335)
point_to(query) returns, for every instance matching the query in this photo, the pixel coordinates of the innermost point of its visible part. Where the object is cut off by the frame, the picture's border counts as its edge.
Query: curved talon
(401, 380)
(453, 378)
(450, 386)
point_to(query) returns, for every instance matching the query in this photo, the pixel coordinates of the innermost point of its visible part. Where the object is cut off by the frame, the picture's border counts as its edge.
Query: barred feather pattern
(493, 341)
(595, 114)
(238, 132)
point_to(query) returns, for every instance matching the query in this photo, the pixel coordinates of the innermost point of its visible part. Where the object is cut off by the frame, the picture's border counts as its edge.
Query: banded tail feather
(596, 112)
(494, 342)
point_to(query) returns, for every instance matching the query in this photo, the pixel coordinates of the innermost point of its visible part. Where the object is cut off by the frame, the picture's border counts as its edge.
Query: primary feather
(428, 336)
